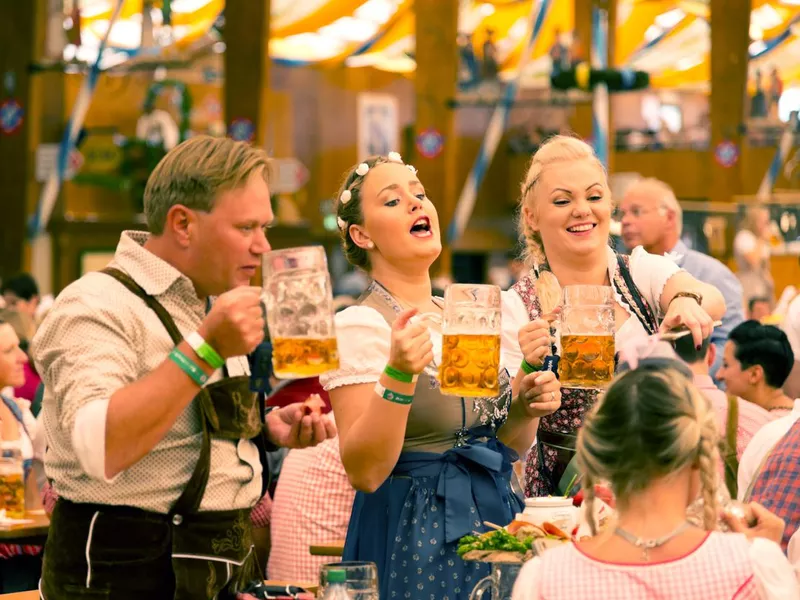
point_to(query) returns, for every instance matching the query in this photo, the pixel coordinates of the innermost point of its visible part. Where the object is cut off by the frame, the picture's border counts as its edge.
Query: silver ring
(553, 396)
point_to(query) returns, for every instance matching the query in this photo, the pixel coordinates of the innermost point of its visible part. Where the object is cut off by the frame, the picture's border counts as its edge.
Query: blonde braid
(707, 460)
(588, 502)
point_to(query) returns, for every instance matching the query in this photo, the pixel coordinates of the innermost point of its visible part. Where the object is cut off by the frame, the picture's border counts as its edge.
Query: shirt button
(177, 520)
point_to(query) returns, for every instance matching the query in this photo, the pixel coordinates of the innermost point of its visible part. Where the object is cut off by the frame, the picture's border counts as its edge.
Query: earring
(370, 245)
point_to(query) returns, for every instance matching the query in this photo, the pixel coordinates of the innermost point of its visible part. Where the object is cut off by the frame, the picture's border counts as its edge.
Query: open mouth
(582, 228)
(422, 227)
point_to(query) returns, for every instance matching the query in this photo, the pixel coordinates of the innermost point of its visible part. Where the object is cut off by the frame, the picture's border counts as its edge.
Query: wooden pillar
(730, 38)
(581, 117)
(246, 96)
(22, 25)
(435, 84)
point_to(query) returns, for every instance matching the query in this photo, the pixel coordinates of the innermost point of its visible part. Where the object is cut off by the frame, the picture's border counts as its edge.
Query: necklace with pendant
(647, 545)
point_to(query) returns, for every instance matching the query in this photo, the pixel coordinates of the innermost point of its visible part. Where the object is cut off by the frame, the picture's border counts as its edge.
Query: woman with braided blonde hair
(565, 216)
(653, 437)
(429, 468)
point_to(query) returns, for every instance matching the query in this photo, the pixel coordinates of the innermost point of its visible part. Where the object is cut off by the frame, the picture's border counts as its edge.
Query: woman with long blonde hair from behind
(565, 218)
(653, 437)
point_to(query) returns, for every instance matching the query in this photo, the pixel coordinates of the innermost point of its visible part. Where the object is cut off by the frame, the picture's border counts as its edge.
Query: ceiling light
(652, 33)
(377, 11)
(486, 9)
(350, 29)
(757, 48)
(766, 17)
(187, 6)
(670, 18)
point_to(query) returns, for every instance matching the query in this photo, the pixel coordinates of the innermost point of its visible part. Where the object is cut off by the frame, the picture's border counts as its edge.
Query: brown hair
(559, 148)
(350, 212)
(195, 172)
(651, 422)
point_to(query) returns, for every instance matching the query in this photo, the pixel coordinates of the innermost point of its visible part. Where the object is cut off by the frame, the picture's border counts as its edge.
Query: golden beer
(470, 365)
(298, 357)
(587, 361)
(12, 495)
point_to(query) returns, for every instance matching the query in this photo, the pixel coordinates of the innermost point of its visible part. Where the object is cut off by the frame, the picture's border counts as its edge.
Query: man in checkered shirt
(777, 485)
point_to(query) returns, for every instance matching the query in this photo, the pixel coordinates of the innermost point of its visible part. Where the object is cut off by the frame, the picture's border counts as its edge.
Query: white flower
(412, 168)
(362, 169)
(341, 223)
(394, 157)
(345, 197)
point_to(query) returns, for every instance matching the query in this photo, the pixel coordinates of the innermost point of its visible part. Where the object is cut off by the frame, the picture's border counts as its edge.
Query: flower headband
(361, 170)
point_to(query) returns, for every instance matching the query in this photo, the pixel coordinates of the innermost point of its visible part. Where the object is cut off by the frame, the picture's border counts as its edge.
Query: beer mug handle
(427, 316)
(480, 589)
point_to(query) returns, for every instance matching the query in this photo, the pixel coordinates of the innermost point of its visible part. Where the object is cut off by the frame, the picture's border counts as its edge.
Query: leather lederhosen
(121, 552)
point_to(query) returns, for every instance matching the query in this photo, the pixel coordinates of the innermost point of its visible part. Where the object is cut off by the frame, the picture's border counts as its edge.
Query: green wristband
(189, 367)
(393, 396)
(528, 367)
(205, 351)
(399, 375)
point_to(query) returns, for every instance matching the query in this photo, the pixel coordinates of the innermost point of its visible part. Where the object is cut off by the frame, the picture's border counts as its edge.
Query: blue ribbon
(469, 476)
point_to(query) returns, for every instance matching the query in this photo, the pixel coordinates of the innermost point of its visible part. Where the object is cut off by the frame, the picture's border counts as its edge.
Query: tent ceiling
(668, 38)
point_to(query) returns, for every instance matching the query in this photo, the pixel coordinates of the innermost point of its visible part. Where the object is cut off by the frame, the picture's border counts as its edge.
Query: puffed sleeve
(363, 337)
(650, 273)
(773, 573)
(527, 585)
(514, 316)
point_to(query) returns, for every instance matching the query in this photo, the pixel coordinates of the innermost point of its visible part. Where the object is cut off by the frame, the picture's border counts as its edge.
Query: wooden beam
(730, 38)
(20, 26)
(581, 117)
(435, 84)
(246, 95)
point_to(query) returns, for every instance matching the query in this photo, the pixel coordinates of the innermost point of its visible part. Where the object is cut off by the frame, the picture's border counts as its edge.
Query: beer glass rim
(484, 291)
(599, 292)
(318, 248)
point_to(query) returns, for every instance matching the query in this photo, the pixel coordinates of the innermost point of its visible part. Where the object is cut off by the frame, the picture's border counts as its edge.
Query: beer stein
(500, 583)
(299, 301)
(587, 328)
(471, 341)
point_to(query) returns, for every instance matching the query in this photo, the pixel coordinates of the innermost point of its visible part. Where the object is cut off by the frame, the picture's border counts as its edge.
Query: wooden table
(27, 532)
(327, 549)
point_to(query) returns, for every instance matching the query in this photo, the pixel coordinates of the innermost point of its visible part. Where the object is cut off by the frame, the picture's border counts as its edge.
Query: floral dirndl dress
(555, 441)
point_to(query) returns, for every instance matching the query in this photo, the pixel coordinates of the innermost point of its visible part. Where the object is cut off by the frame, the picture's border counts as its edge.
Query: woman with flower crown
(429, 468)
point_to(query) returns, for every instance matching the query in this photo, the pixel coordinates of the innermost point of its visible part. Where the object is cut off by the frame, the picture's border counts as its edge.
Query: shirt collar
(704, 381)
(154, 274)
(678, 252)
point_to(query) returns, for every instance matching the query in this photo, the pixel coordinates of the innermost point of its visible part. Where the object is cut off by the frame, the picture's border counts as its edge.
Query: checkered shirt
(720, 568)
(777, 485)
(312, 505)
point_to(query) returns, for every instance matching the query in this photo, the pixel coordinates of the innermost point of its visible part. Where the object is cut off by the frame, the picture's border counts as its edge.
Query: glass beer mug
(587, 328)
(471, 341)
(297, 293)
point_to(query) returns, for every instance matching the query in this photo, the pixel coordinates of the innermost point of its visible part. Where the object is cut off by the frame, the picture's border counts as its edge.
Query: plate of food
(518, 542)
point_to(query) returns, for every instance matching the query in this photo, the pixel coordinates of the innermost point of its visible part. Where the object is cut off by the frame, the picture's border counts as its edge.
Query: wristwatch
(697, 297)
